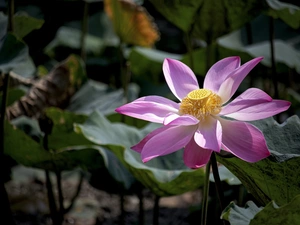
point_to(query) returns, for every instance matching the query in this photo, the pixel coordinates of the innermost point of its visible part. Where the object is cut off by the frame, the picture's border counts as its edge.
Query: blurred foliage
(87, 133)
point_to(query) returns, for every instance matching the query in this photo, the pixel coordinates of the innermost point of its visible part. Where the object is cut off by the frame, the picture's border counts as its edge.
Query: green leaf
(225, 175)
(70, 37)
(94, 96)
(289, 13)
(12, 96)
(14, 56)
(165, 176)
(285, 215)
(77, 150)
(238, 215)
(209, 19)
(63, 134)
(284, 53)
(276, 177)
(147, 63)
(24, 24)
(270, 214)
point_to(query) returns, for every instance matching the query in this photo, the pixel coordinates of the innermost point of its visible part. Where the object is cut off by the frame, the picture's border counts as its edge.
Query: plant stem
(205, 195)
(156, 210)
(84, 30)
(218, 183)
(4, 201)
(11, 12)
(273, 66)
(141, 206)
(60, 197)
(76, 194)
(122, 216)
(51, 200)
(123, 71)
(190, 49)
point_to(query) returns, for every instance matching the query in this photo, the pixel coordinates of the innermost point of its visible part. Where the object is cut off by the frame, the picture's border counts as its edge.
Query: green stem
(84, 30)
(190, 50)
(122, 216)
(141, 206)
(11, 12)
(205, 195)
(76, 194)
(156, 210)
(51, 199)
(60, 198)
(123, 71)
(218, 183)
(4, 201)
(273, 66)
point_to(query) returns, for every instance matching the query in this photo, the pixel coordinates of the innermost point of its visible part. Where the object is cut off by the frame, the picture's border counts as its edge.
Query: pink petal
(150, 108)
(219, 72)
(184, 120)
(139, 147)
(254, 104)
(244, 140)
(167, 141)
(232, 82)
(179, 77)
(194, 156)
(209, 135)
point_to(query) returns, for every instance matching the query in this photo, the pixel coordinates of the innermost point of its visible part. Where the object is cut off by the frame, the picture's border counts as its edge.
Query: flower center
(201, 103)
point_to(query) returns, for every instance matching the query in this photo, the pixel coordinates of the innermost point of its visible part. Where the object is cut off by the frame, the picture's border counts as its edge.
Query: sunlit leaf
(62, 134)
(70, 37)
(276, 177)
(14, 56)
(147, 63)
(209, 19)
(165, 176)
(285, 215)
(284, 53)
(270, 214)
(289, 13)
(99, 96)
(240, 215)
(131, 22)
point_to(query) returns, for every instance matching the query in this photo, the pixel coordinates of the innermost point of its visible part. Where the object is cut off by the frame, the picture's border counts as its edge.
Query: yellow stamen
(200, 104)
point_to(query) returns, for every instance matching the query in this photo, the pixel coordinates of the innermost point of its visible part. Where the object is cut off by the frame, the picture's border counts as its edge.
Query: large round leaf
(209, 19)
(270, 214)
(165, 176)
(276, 177)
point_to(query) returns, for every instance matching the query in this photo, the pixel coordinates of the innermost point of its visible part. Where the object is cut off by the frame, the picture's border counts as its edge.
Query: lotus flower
(202, 122)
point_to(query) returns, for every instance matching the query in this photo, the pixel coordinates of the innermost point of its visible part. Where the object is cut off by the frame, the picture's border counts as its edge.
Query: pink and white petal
(160, 100)
(139, 146)
(219, 72)
(179, 77)
(194, 156)
(167, 141)
(184, 120)
(153, 110)
(244, 140)
(209, 135)
(254, 104)
(232, 82)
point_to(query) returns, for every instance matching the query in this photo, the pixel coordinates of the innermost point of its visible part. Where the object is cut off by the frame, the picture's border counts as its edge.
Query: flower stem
(156, 210)
(218, 183)
(7, 214)
(190, 49)
(205, 195)
(273, 66)
(84, 30)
